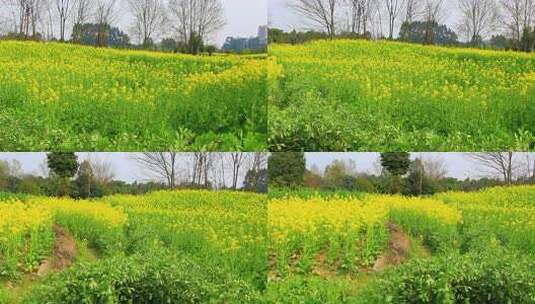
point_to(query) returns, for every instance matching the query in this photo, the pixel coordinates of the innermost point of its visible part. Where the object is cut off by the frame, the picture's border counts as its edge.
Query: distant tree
(256, 181)
(362, 184)
(393, 8)
(321, 12)
(104, 15)
(432, 13)
(162, 164)
(88, 34)
(195, 43)
(500, 42)
(64, 165)
(84, 180)
(29, 185)
(311, 179)
(415, 32)
(497, 163)
(397, 164)
(335, 175)
(210, 49)
(478, 19)
(64, 9)
(194, 20)
(149, 19)
(418, 183)
(168, 44)
(82, 12)
(527, 41)
(286, 169)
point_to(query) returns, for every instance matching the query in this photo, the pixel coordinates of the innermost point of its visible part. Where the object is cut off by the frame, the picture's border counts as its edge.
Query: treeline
(411, 33)
(398, 174)
(497, 24)
(63, 174)
(155, 24)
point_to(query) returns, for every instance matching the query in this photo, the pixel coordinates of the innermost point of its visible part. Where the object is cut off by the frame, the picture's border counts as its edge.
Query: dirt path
(397, 250)
(63, 255)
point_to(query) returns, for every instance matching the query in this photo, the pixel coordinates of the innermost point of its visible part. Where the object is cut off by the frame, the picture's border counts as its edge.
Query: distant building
(238, 44)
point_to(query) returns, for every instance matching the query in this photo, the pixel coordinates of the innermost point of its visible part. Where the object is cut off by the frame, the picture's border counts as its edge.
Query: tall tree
(320, 12)
(84, 180)
(64, 165)
(519, 15)
(478, 19)
(397, 164)
(393, 8)
(162, 164)
(196, 19)
(237, 161)
(149, 18)
(64, 10)
(104, 15)
(497, 163)
(83, 9)
(286, 169)
(432, 12)
(413, 8)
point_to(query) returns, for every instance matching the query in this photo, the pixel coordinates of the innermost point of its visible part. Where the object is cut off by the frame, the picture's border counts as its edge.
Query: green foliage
(63, 164)
(151, 277)
(308, 289)
(493, 276)
(286, 169)
(356, 95)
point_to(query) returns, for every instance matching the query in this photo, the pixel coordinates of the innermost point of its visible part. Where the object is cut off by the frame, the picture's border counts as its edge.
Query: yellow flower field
(362, 95)
(78, 98)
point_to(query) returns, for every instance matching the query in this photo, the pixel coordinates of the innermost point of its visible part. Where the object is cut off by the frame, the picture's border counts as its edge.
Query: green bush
(494, 276)
(153, 277)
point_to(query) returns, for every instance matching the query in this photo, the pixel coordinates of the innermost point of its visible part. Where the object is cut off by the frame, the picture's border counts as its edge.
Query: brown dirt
(64, 252)
(397, 250)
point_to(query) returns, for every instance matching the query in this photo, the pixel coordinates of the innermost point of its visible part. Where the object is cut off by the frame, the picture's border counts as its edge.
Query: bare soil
(396, 251)
(63, 255)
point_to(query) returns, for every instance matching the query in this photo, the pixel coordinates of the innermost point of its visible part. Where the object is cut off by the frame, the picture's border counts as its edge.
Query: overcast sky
(281, 16)
(243, 18)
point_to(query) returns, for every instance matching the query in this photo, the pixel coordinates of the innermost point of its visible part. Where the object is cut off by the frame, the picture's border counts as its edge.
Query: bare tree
(393, 8)
(27, 14)
(498, 163)
(361, 14)
(82, 12)
(478, 19)
(202, 165)
(162, 164)
(102, 170)
(149, 18)
(195, 20)
(321, 12)
(432, 12)
(413, 8)
(519, 15)
(435, 168)
(237, 161)
(64, 10)
(104, 17)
